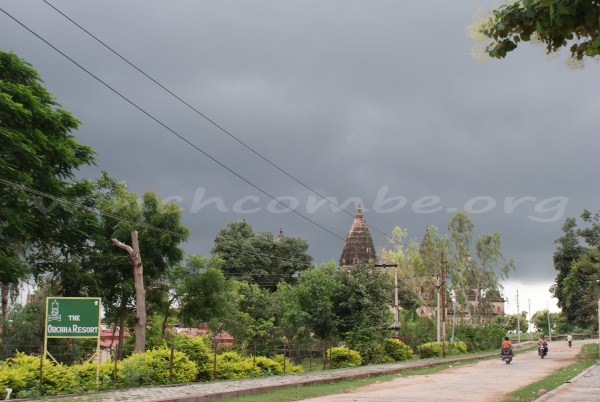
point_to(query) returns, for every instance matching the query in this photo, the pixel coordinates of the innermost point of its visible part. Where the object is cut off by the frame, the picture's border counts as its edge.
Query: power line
(198, 112)
(159, 122)
(93, 209)
(120, 218)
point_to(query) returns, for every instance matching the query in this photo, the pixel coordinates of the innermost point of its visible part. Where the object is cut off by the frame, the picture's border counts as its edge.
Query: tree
(577, 260)
(568, 251)
(362, 307)
(540, 320)
(475, 281)
(315, 294)
(510, 325)
(556, 23)
(203, 292)
(160, 232)
(257, 258)
(37, 150)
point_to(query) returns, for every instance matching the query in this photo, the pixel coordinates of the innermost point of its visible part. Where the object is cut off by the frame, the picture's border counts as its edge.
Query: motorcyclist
(506, 352)
(542, 341)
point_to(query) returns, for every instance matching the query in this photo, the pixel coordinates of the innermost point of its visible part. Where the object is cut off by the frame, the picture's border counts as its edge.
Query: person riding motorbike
(506, 352)
(542, 342)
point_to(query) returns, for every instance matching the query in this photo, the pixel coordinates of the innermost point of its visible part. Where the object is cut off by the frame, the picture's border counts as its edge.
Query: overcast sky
(372, 100)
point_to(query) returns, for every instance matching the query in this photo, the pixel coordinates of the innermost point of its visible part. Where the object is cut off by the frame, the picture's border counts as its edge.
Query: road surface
(485, 381)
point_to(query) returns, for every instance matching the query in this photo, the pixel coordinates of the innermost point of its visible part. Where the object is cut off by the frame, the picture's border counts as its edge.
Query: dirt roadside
(485, 381)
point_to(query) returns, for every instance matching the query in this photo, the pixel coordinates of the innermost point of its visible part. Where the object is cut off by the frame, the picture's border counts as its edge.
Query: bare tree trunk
(140, 292)
(4, 301)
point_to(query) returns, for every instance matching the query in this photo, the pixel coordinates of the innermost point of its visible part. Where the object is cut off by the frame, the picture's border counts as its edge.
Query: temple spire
(359, 244)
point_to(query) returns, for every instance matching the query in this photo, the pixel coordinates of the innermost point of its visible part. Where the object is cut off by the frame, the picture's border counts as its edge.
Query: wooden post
(140, 292)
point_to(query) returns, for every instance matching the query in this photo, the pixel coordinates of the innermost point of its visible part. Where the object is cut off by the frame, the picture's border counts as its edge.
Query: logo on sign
(54, 313)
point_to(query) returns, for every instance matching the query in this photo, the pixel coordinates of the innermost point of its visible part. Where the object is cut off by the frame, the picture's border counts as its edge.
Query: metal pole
(529, 326)
(549, 328)
(443, 308)
(518, 319)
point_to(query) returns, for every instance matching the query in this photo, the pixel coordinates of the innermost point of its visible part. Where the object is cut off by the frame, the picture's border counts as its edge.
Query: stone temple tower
(359, 244)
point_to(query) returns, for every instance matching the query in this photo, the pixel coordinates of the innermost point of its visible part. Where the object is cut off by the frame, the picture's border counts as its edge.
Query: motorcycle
(506, 354)
(542, 350)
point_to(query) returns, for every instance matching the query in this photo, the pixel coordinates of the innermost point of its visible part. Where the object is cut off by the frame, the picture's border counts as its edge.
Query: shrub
(232, 365)
(86, 375)
(196, 349)
(152, 368)
(480, 337)
(22, 374)
(289, 366)
(434, 349)
(344, 357)
(397, 350)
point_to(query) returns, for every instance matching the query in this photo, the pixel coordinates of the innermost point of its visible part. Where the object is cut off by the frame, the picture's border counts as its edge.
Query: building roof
(359, 244)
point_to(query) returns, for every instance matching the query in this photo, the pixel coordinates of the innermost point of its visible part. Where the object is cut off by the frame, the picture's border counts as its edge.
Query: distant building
(359, 244)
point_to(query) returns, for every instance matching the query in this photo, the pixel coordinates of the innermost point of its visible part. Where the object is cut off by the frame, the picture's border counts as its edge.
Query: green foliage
(434, 349)
(198, 351)
(417, 331)
(247, 255)
(577, 260)
(232, 365)
(152, 368)
(22, 374)
(556, 23)
(344, 357)
(397, 350)
(86, 375)
(480, 337)
(37, 150)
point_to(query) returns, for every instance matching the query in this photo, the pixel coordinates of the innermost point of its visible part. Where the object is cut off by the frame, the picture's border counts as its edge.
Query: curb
(551, 394)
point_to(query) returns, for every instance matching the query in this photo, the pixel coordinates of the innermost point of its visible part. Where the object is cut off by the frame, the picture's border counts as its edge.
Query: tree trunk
(4, 301)
(140, 293)
(121, 331)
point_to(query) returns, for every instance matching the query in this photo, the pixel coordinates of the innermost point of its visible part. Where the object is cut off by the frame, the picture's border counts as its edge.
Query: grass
(303, 392)
(586, 358)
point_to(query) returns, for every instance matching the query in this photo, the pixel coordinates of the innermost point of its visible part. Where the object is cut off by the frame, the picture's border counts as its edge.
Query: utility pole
(549, 328)
(518, 319)
(443, 307)
(529, 326)
(396, 324)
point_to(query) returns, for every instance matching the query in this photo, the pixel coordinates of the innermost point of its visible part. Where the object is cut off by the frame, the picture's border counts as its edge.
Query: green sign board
(72, 317)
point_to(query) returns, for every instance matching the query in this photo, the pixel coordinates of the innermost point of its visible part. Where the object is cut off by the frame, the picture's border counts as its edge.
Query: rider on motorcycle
(542, 341)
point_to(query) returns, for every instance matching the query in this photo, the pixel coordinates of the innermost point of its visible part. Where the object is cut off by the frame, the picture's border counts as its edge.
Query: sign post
(73, 317)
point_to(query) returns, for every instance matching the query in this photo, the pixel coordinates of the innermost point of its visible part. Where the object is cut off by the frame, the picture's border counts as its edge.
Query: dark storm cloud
(378, 101)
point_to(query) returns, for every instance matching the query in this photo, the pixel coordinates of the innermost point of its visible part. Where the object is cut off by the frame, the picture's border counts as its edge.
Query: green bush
(231, 365)
(344, 357)
(86, 375)
(434, 349)
(397, 350)
(480, 337)
(197, 350)
(289, 366)
(152, 368)
(22, 374)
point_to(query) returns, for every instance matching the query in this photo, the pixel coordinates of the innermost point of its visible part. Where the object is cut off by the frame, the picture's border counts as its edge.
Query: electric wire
(172, 131)
(120, 218)
(203, 115)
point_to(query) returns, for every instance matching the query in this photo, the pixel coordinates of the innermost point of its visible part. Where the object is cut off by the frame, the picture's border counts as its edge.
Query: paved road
(485, 381)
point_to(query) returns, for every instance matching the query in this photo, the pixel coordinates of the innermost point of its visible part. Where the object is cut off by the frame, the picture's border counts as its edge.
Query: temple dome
(359, 244)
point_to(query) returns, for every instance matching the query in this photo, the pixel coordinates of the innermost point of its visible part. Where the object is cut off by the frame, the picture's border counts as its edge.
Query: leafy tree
(510, 324)
(568, 251)
(315, 295)
(577, 260)
(257, 258)
(203, 292)
(475, 281)
(540, 320)
(39, 151)
(362, 307)
(581, 290)
(556, 23)
(160, 232)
